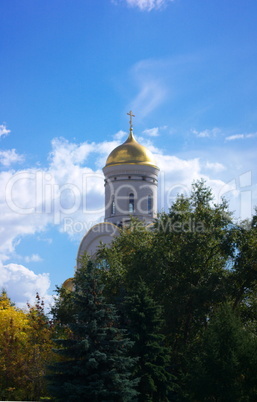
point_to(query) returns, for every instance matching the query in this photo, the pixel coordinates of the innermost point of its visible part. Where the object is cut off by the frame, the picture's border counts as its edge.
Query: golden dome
(130, 152)
(68, 284)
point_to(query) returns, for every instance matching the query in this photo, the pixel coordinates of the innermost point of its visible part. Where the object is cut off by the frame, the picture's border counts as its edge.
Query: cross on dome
(130, 120)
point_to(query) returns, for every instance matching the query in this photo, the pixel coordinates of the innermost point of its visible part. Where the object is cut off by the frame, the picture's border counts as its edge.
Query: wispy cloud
(3, 130)
(33, 258)
(9, 157)
(146, 5)
(119, 135)
(153, 89)
(214, 166)
(240, 136)
(155, 131)
(151, 95)
(208, 133)
(152, 132)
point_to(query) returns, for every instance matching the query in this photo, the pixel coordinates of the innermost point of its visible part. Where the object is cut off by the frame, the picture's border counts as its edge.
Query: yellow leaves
(13, 322)
(4, 304)
(13, 338)
(25, 350)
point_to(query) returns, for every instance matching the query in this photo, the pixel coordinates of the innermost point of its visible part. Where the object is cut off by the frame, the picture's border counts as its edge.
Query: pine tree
(144, 322)
(94, 365)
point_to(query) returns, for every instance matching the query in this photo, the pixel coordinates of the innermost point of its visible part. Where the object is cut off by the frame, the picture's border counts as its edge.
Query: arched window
(131, 203)
(113, 211)
(150, 204)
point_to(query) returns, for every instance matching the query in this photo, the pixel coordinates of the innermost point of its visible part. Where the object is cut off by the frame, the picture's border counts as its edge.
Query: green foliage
(40, 340)
(194, 260)
(244, 271)
(95, 365)
(225, 367)
(186, 291)
(127, 259)
(183, 261)
(145, 324)
(64, 309)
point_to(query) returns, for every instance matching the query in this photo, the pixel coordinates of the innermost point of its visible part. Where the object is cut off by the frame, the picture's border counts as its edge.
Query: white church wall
(123, 180)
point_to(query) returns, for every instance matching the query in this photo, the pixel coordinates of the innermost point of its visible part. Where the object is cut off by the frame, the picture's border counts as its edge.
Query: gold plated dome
(130, 152)
(68, 284)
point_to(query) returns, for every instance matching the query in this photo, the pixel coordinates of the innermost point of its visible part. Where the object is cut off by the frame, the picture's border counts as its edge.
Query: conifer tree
(94, 365)
(144, 323)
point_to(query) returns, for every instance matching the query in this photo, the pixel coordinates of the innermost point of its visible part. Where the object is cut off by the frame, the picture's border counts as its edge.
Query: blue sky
(70, 70)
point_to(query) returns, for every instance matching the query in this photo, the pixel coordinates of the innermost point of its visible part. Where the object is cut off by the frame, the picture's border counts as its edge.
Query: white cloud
(152, 89)
(33, 258)
(47, 240)
(148, 5)
(177, 176)
(22, 284)
(148, 143)
(3, 130)
(65, 152)
(119, 135)
(215, 166)
(240, 136)
(152, 93)
(104, 149)
(35, 199)
(152, 132)
(235, 137)
(9, 157)
(206, 133)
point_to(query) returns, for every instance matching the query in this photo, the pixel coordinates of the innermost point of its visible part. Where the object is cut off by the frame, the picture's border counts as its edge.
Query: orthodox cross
(130, 120)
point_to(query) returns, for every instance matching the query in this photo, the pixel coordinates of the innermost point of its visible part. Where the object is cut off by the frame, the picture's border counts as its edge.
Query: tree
(95, 365)
(194, 260)
(40, 332)
(244, 268)
(63, 309)
(225, 367)
(191, 248)
(125, 262)
(13, 338)
(26, 347)
(145, 324)
(183, 260)
(184, 263)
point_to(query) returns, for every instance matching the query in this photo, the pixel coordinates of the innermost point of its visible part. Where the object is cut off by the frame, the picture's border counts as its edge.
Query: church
(131, 181)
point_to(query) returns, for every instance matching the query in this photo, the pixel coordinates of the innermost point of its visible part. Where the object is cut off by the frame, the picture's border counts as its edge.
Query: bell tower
(131, 179)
